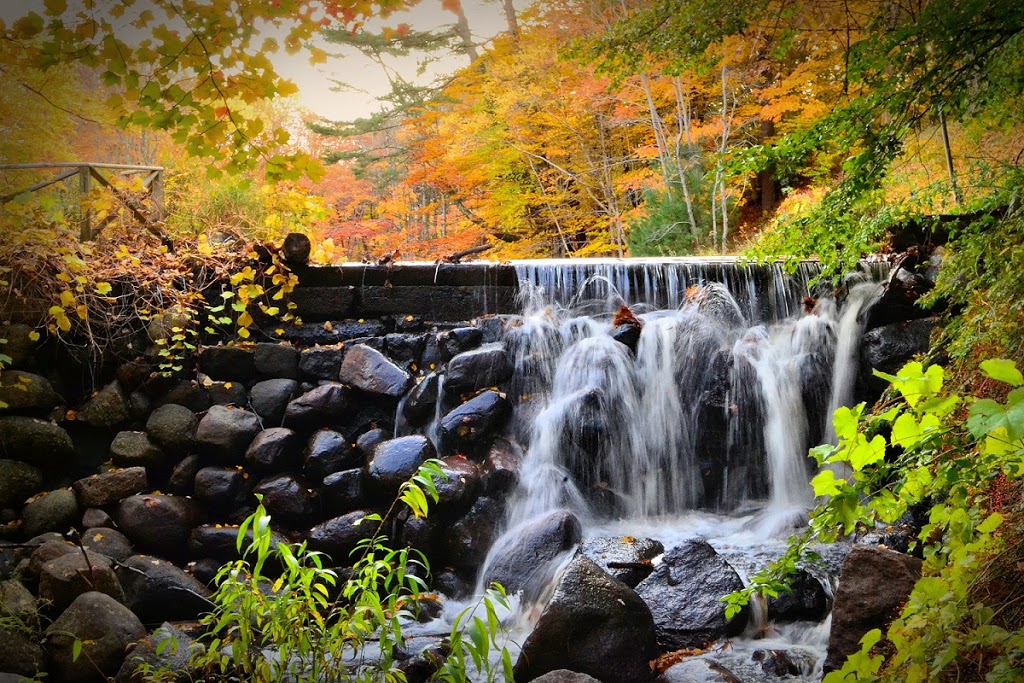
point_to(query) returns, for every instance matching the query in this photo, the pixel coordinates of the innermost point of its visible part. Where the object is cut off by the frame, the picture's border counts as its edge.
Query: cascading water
(710, 411)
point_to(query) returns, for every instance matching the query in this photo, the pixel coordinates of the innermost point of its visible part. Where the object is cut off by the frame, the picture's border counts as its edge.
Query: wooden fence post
(84, 186)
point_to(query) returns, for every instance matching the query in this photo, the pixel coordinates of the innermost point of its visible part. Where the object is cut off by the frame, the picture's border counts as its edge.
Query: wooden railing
(149, 215)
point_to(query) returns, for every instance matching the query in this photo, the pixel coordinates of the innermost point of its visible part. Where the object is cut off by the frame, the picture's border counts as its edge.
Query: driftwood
(459, 255)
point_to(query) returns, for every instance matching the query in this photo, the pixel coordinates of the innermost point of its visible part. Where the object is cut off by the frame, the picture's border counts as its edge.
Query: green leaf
(1002, 370)
(867, 452)
(76, 650)
(990, 524)
(906, 432)
(826, 484)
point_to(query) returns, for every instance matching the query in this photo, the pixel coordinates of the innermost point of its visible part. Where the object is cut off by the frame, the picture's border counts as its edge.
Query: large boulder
(220, 488)
(36, 442)
(273, 450)
(107, 409)
(64, 578)
(873, 584)
(158, 523)
(136, 449)
(18, 481)
(106, 541)
(107, 488)
(889, 347)
(279, 361)
(173, 428)
(469, 538)
(468, 428)
(226, 433)
(166, 649)
(523, 558)
(344, 491)
(462, 484)
(502, 466)
(269, 399)
(288, 500)
(684, 593)
(806, 600)
(23, 392)
(626, 558)
(321, 362)
(370, 370)
(487, 366)
(228, 363)
(593, 624)
(338, 537)
(21, 657)
(323, 406)
(53, 511)
(396, 460)
(220, 543)
(158, 591)
(328, 452)
(102, 628)
(418, 406)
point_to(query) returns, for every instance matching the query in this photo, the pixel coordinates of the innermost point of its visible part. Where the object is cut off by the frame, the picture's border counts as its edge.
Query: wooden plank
(39, 186)
(84, 186)
(83, 164)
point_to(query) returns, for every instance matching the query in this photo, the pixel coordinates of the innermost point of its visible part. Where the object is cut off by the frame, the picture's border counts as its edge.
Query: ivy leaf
(1002, 370)
(906, 432)
(826, 484)
(867, 452)
(990, 524)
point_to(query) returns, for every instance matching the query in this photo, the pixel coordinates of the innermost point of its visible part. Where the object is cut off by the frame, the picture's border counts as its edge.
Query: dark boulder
(277, 361)
(806, 600)
(338, 536)
(396, 460)
(889, 347)
(51, 546)
(684, 593)
(296, 249)
(64, 578)
(28, 394)
(321, 362)
(107, 409)
(35, 441)
(156, 591)
(405, 348)
(102, 628)
(453, 342)
(370, 370)
(270, 398)
(328, 452)
(485, 367)
(419, 405)
(18, 481)
(873, 584)
(626, 558)
(228, 363)
(183, 476)
(462, 485)
(158, 523)
(227, 394)
(219, 487)
(523, 558)
(218, 542)
(173, 427)
(108, 488)
(226, 433)
(502, 466)
(628, 335)
(467, 428)
(273, 450)
(565, 676)
(344, 491)
(593, 624)
(166, 649)
(368, 441)
(136, 449)
(323, 406)
(21, 657)
(52, 511)
(106, 541)
(288, 500)
(95, 518)
(467, 541)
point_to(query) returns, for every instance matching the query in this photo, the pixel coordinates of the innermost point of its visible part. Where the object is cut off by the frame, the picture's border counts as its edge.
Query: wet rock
(344, 491)
(419, 405)
(135, 449)
(322, 406)
(35, 441)
(107, 409)
(273, 450)
(337, 537)
(158, 523)
(53, 511)
(226, 433)
(776, 663)
(17, 602)
(461, 486)
(405, 348)
(593, 624)
(218, 487)
(107, 541)
(874, 582)
(396, 460)
(888, 348)
(468, 540)
(166, 649)
(228, 363)
(28, 394)
(64, 578)
(269, 399)
(453, 342)
(188, 394)
(296, 249)
(368, 441)
(104, 628)
(140, 405)
(279, 361)
(501, 467)
(631, 556)
(698, 670)
(227, 394)
(898, 302)
(219, 543)
(328, 452)
(565, 676)
(807, 600)
(107, 488)
(522, 560)
(487, 366)
(420, 533)
(628, 335)
(156, 590)
(18, 481)
(49, 549)
(21, 657)
(288, 500)
(173, 428)
(94, 518)
(183, 476)
(370, 370)
(19, 347)
(464, 429)
(321, 362)
(684, 593)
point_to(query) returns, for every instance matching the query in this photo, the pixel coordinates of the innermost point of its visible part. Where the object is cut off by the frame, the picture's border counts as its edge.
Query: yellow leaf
(82, 312)
(243, 333)
(67, 299)
(245, 319)
(103, 288)
(33, 336)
